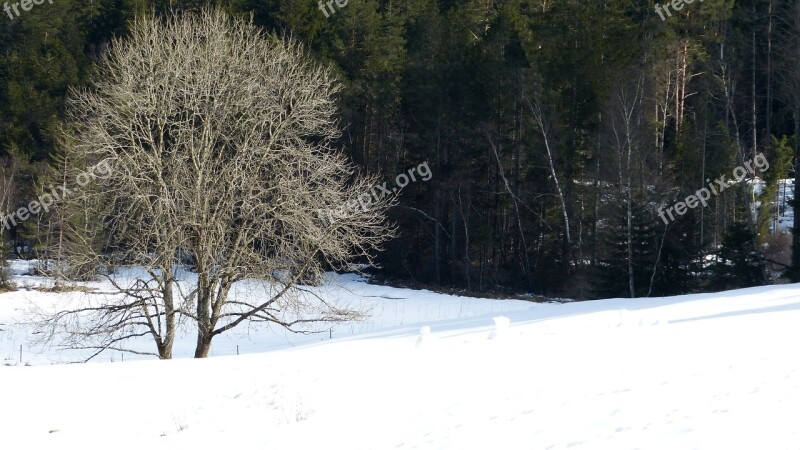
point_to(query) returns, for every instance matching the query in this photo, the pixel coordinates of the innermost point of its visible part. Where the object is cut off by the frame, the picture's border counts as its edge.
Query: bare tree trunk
(629, 216)
(662, 106)
(538, 115)
(680, 83)
(657, 262)
(628, 105)
(465, 220)
(754, 117)
(768, 108)
(7, 187)
(703, 175)
(437, 245)
(748, 208)
(453, 238)
(59, 275)
(526, 259)
(596, 198)
(168, 339)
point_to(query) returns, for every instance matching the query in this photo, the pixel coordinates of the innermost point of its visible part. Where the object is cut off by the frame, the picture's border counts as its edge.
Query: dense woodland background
(555, 130)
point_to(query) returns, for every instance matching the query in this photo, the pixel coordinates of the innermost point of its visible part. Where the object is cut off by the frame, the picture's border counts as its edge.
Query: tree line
(555, 131)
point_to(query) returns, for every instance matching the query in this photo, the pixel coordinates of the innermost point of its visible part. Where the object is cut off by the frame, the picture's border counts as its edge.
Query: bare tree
(8, 172)
(544, 124)
(629, 113)
(728, 88)
(219, 140)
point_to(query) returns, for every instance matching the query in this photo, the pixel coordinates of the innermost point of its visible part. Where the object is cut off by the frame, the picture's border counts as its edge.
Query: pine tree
(611, 274)
(780, 160)
(735, 265)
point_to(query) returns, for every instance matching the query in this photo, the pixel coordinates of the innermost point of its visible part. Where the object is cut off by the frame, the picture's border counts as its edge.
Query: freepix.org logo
(26, 5)
(48, 199)
(677, 5)
(378, 192)
(714, 187)
(328, 8)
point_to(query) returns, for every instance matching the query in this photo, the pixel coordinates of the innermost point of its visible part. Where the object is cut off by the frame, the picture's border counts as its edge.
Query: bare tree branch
(219, 141)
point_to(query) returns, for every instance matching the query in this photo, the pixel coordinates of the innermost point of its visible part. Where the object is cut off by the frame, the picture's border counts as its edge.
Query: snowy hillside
(389, 309)
(710, 371)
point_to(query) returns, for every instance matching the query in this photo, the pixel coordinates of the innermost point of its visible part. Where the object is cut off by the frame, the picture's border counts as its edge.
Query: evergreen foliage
(453, 82)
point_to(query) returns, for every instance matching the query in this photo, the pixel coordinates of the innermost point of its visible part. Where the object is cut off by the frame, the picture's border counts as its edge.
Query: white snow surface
(709, 371)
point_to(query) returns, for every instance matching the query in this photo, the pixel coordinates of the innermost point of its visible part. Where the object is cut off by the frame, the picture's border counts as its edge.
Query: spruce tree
(612, 273)
(735, 265)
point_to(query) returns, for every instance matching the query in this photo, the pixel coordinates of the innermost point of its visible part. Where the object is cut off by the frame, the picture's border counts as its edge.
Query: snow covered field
(711, 371)
(390, 309)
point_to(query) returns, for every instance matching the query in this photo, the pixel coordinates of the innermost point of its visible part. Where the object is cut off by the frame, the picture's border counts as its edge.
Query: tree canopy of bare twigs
(219, 140)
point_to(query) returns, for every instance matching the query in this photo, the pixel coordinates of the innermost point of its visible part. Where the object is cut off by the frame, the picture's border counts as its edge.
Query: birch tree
(544, 124)
(625, 121)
